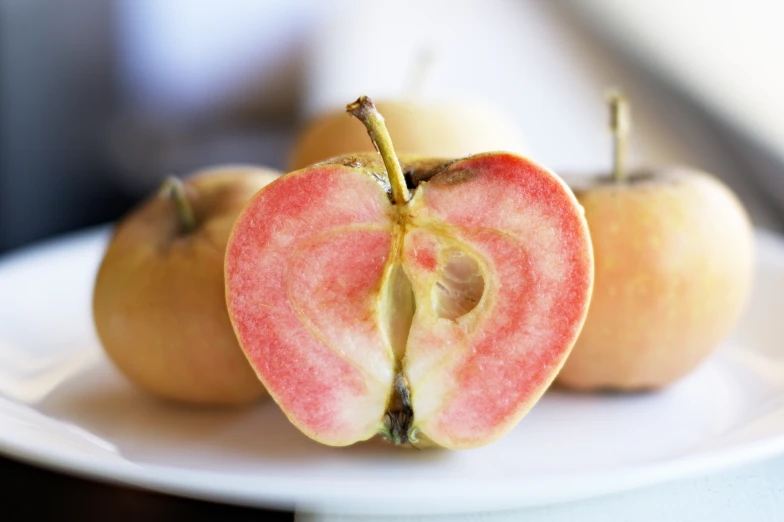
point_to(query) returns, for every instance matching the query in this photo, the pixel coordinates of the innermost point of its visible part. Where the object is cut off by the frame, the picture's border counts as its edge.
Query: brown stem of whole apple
(620, 124)
(365, 111)
(419, 72)
(174, 190)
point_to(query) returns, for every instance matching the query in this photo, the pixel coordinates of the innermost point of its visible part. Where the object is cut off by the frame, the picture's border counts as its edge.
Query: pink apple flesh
(468, 298)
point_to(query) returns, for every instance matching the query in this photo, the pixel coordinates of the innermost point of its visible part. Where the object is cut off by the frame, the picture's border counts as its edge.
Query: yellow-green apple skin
(158, 303)
(674, 261)
(445, 130)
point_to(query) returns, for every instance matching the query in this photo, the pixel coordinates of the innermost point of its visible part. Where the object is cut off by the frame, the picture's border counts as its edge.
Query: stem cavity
(620, 125)
(365, 111)
(173, 189)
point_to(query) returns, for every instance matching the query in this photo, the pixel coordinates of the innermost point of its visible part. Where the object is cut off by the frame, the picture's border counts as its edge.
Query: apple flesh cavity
(418, 129)
(158, 302)
(674, 262)
(437, 316)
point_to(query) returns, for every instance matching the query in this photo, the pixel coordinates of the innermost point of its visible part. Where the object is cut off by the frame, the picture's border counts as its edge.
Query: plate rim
(276, 493)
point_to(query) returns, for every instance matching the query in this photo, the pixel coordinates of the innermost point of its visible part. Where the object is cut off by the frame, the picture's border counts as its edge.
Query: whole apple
(673, 267)
(432, 302)
(158, 303)
(418, 129)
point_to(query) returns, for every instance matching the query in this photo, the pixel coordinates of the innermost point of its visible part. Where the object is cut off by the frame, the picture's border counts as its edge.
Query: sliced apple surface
(438, 316)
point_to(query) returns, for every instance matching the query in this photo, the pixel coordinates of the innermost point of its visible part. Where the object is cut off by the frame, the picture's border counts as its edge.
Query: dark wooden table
(35, 494)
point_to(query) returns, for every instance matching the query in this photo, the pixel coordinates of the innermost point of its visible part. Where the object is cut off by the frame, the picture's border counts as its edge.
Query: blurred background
(100, 99)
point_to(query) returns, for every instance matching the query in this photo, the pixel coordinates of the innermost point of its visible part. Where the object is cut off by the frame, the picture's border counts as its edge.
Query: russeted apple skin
(311, 256)
(673, 268)
(417, 129)
(158, 302)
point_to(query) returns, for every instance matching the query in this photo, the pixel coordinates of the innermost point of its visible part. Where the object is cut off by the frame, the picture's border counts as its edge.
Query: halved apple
(437, 317)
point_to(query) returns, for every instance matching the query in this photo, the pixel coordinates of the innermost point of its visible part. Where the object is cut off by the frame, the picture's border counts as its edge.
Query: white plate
(62, 405)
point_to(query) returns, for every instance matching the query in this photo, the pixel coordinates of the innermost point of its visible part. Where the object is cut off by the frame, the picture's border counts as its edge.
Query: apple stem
(365, 111)
(620, 124)
(419, 72)
(174, 190)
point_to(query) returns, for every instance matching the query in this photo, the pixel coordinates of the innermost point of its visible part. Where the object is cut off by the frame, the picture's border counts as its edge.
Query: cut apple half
(435, 311)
